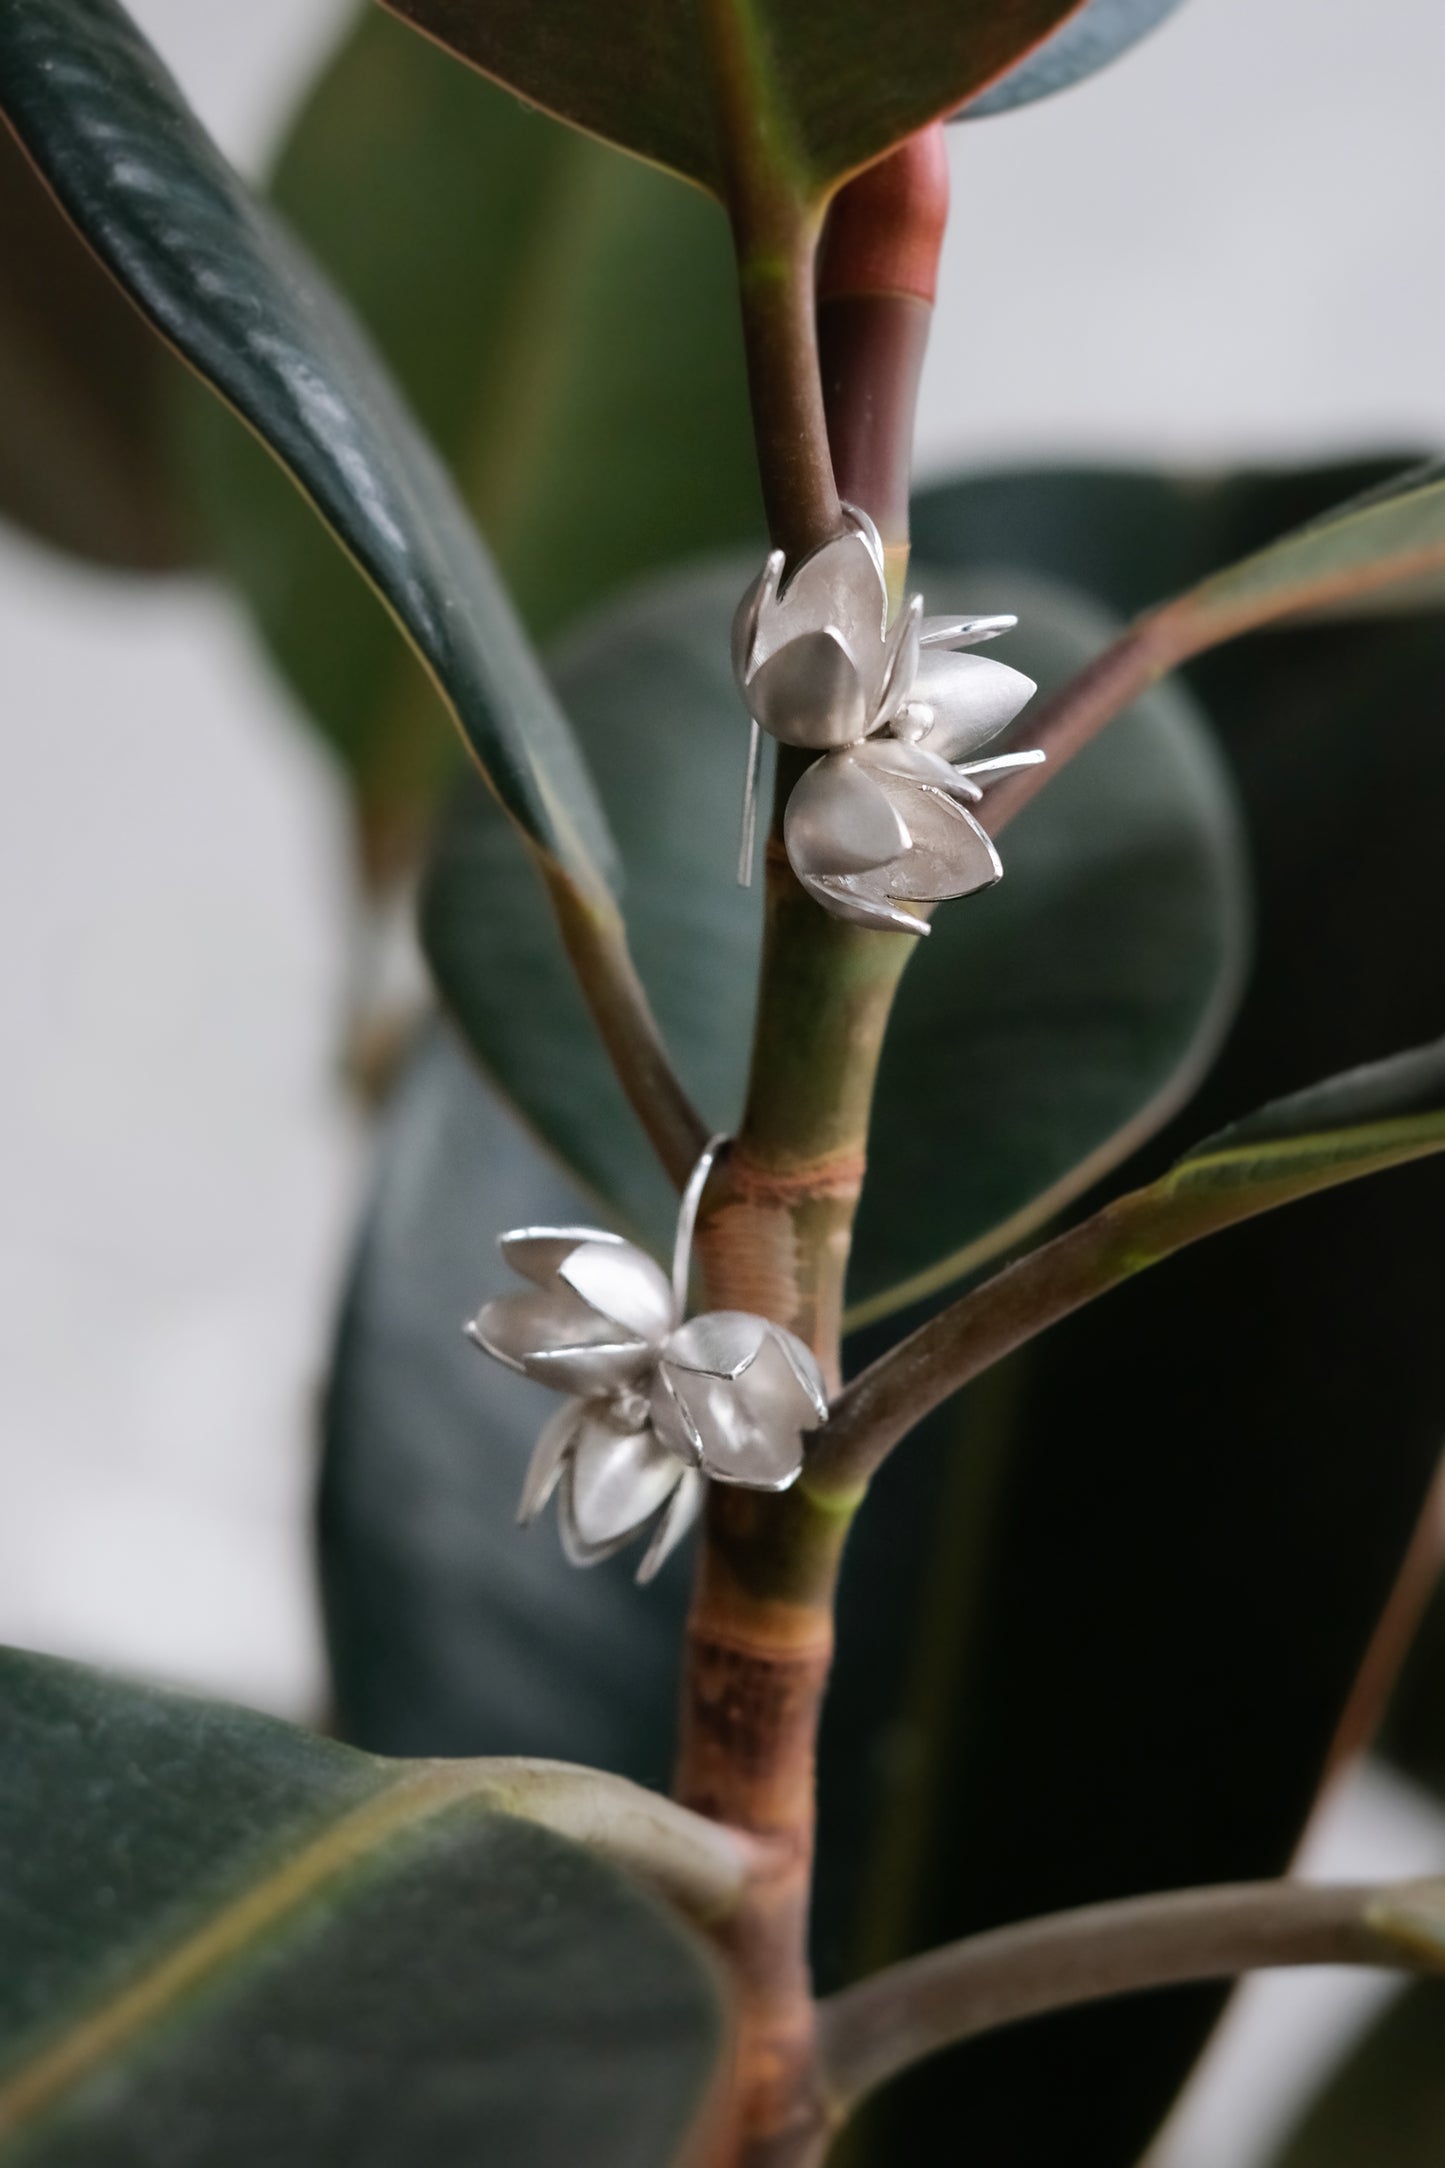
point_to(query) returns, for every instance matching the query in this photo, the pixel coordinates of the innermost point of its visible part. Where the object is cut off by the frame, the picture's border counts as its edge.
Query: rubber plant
(228, 1939)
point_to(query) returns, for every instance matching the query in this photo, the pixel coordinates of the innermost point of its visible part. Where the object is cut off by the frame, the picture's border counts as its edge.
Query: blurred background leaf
(229, 1941)
(1133, 535)
(85, 390)
(1102, 31)
(564, 322)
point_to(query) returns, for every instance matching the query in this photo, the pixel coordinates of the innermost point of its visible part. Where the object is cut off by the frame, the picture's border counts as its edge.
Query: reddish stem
(877, 276)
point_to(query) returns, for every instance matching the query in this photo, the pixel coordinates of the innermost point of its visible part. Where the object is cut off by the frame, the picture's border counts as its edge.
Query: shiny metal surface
(881, 821)
(657, 1405)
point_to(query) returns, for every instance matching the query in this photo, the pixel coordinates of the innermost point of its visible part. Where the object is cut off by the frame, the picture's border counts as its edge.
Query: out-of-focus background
(1187, 258)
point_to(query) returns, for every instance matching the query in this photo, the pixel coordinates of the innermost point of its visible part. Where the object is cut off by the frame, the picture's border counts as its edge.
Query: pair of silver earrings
(897, 714)
(658, 1402)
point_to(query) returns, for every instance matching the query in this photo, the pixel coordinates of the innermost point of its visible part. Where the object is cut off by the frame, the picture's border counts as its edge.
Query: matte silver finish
(657, 1406)
(881, 821)
(738, 1393)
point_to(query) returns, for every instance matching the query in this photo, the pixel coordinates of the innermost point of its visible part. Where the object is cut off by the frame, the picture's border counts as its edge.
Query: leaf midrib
(238, 1926)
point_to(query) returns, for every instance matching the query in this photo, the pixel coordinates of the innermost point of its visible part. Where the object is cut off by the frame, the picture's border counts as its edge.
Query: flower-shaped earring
(658, 1405)
(882, 819)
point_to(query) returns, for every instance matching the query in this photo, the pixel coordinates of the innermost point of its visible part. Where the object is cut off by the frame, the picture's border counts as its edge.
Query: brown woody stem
(774, 1238)
(871, 2032)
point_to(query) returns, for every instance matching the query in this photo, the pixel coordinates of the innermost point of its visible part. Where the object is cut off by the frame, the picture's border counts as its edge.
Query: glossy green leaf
(83, 393)
(227, 1941)
(1128, 535)
(1386, 2105)
(571, 346)
(227, 287)
(1041, 1031)
(803, 90)
(1101, 32)
(1393, 535)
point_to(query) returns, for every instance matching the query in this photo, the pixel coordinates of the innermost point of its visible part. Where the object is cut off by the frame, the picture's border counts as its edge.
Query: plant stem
(877, 276)
(774, 1237)
(775, 224)
(871, 2032)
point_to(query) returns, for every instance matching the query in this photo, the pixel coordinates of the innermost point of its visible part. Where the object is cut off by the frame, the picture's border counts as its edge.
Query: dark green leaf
(1203, 1493)
(227, 1942)
(1023, 1059)
(83, 391)
(571, 346)
(227, 287)
(1386, 2107)
(1099, 33)
(1128, 535)
(1393, 535)
(821, 87)
(1055, 1022)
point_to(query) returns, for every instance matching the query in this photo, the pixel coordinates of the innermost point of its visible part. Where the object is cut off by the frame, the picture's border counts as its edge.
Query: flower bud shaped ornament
(882, 819)
(656, 1405)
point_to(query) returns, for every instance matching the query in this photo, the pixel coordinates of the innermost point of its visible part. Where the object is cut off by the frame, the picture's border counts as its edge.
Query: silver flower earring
(896, 713)
(657, 1405)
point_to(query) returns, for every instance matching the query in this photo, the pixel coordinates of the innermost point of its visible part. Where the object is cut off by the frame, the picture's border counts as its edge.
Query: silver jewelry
(657, 1405)
(896, 712)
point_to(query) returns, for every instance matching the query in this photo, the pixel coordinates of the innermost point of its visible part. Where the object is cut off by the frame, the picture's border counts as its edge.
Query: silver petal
(622, 1283)
(810, 692)
(843, 894)
(804, 1365)
(963, 631)
(841, 583)
(559, 1339)
(549, 1457)
(951, 855)
(893, 762)
(615, 1482)
(864, 523)
(840, 819)
(740, 1390)
(968, 698)
(900, 664)
(610, 1368)
(747, 1428)
(539, 1253)
(1001, 764)
(720, 1342)
(678, 1515)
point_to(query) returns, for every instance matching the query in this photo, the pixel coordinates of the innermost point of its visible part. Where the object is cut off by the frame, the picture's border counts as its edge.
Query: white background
(1226, 246)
